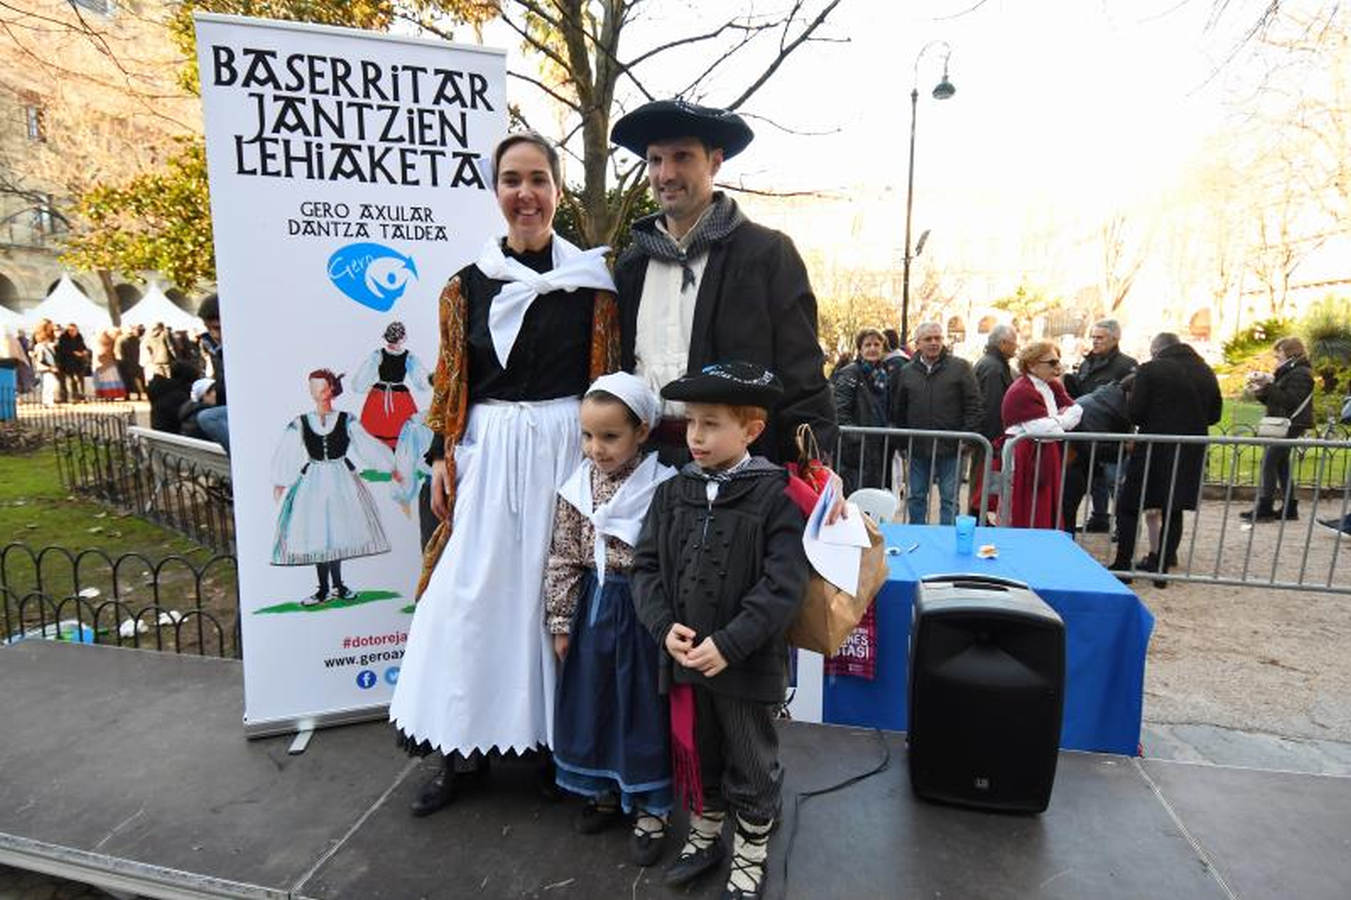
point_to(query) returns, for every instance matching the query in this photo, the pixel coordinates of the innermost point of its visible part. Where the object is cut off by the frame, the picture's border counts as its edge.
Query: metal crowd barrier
(98, 458)
(130, 600)
(887, 458)
(1220, 546)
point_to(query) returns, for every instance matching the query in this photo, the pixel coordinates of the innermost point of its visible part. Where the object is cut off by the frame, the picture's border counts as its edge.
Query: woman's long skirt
(611, 728)
(478, 671)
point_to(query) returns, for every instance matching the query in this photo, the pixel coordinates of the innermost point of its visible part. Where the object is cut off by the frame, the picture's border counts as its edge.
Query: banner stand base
(302, 740)
(303, 727)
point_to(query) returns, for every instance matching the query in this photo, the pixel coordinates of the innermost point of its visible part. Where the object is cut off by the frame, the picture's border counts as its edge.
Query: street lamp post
(942, 91)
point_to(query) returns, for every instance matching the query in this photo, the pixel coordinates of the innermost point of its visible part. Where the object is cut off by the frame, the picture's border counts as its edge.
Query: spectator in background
(993, 377)
(158, 351)
(861, 399)
(896, 355)
(127, 351)
(215, 421)
(44, 361)
(185, 350)
(1174, 393)
(1104, 364)
(1106, 410)
(201, 397)
(937, 391)
(1287, 392)
(107, 382)
(15, 349)
(168, 394)
(72, 363)
(1037, 404)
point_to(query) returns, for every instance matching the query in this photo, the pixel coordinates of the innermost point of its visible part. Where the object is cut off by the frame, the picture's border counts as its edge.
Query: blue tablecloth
(1107, 632)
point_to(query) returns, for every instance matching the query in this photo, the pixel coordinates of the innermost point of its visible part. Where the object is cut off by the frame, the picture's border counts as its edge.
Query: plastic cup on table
(966, 535)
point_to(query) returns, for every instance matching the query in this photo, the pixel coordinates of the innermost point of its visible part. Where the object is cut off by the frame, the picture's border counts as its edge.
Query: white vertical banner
(349, 176)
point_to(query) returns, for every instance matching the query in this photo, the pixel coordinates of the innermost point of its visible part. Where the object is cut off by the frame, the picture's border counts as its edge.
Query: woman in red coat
(1037, 404)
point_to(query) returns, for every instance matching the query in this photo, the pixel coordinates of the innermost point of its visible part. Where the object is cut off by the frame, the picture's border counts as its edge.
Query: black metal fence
(101, 461)
(130, 600)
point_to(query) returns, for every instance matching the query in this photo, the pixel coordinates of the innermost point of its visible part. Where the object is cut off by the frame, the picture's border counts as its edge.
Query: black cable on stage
(800, 796)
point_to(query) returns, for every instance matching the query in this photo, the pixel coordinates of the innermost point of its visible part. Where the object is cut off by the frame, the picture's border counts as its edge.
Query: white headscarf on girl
(573, 269)
(622, 515)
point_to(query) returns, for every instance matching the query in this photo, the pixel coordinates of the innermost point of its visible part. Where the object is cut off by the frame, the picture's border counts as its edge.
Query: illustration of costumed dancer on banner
(385, 377)
(327, 512)
(412, 475)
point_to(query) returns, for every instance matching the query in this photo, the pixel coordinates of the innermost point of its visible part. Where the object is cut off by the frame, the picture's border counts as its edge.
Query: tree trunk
(110, 292)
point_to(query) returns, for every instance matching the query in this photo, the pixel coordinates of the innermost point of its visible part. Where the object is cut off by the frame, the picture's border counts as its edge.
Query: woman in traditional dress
(107, 382)
(387, 377)
(327, 512)
(524, 331)
(1037, 404)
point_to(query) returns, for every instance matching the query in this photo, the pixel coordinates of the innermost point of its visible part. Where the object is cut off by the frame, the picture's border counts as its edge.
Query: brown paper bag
(828, 614)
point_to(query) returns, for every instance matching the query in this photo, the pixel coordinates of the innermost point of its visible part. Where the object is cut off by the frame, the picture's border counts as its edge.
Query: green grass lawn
(38, 513)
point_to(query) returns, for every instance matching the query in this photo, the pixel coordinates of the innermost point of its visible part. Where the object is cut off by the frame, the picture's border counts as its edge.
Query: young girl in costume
(387, 377)
(610, 726)
(327, 512)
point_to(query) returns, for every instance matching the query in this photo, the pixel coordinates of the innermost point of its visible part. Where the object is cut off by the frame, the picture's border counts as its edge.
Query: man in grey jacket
(934, 391)
(1104, 364)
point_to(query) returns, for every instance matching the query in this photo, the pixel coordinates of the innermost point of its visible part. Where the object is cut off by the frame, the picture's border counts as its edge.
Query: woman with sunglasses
(1037, 404)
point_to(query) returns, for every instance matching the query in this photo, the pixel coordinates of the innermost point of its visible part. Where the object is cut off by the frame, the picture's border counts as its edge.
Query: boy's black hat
(733, 383)
(663, 120)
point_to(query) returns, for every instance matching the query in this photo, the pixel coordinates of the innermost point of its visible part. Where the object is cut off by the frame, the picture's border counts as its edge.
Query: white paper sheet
(835, 551)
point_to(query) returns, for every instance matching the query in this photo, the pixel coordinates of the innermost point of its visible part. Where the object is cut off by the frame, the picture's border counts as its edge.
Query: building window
(33, 121)
(102, 7)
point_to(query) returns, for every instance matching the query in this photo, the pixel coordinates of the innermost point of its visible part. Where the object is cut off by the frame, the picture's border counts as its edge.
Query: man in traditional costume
(702, 283)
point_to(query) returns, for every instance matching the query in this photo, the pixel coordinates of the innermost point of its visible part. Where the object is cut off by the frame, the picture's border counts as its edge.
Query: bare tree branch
(784, 54)
(570, 104)
(788, 130)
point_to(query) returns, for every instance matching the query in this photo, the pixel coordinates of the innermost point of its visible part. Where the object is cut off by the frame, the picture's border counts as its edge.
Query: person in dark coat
(1104, 364)
(72, 362)
(1106, 411)
(1287, 392)
(935, 391)
(702, 283)
(127, 351)
(993, 377)
(1174, 393)
(861, 398)
(168, 395)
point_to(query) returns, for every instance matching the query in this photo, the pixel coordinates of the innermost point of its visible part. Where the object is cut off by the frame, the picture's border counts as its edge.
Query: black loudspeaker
(987, 689)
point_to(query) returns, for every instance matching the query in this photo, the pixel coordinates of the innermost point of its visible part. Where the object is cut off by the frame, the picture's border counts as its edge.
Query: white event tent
(11, 321)
(67, 304)
(155, 306)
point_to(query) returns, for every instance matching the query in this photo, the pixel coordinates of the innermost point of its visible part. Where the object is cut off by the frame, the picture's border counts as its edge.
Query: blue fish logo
(371, 274)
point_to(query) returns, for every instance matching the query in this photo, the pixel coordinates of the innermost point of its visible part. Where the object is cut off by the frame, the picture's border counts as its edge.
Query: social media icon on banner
(366, 679)
(392, 675)
(371, 274)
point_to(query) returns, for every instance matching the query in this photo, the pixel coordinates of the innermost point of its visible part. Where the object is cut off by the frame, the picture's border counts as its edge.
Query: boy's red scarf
(689, 785)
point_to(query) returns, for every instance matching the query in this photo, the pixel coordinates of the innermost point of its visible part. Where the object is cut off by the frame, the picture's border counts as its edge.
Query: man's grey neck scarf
(722, 218)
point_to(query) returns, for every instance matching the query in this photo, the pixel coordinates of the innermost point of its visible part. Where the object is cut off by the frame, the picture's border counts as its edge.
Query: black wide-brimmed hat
(663, 120)
(733, 383)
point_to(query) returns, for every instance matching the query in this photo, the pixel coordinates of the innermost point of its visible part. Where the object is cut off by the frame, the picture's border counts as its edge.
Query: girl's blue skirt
(611, 727)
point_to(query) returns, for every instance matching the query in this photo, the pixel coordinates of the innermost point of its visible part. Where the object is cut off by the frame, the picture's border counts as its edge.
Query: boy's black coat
(733, 570)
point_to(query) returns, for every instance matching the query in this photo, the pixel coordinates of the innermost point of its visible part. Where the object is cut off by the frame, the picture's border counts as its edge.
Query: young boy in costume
(718, 573)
